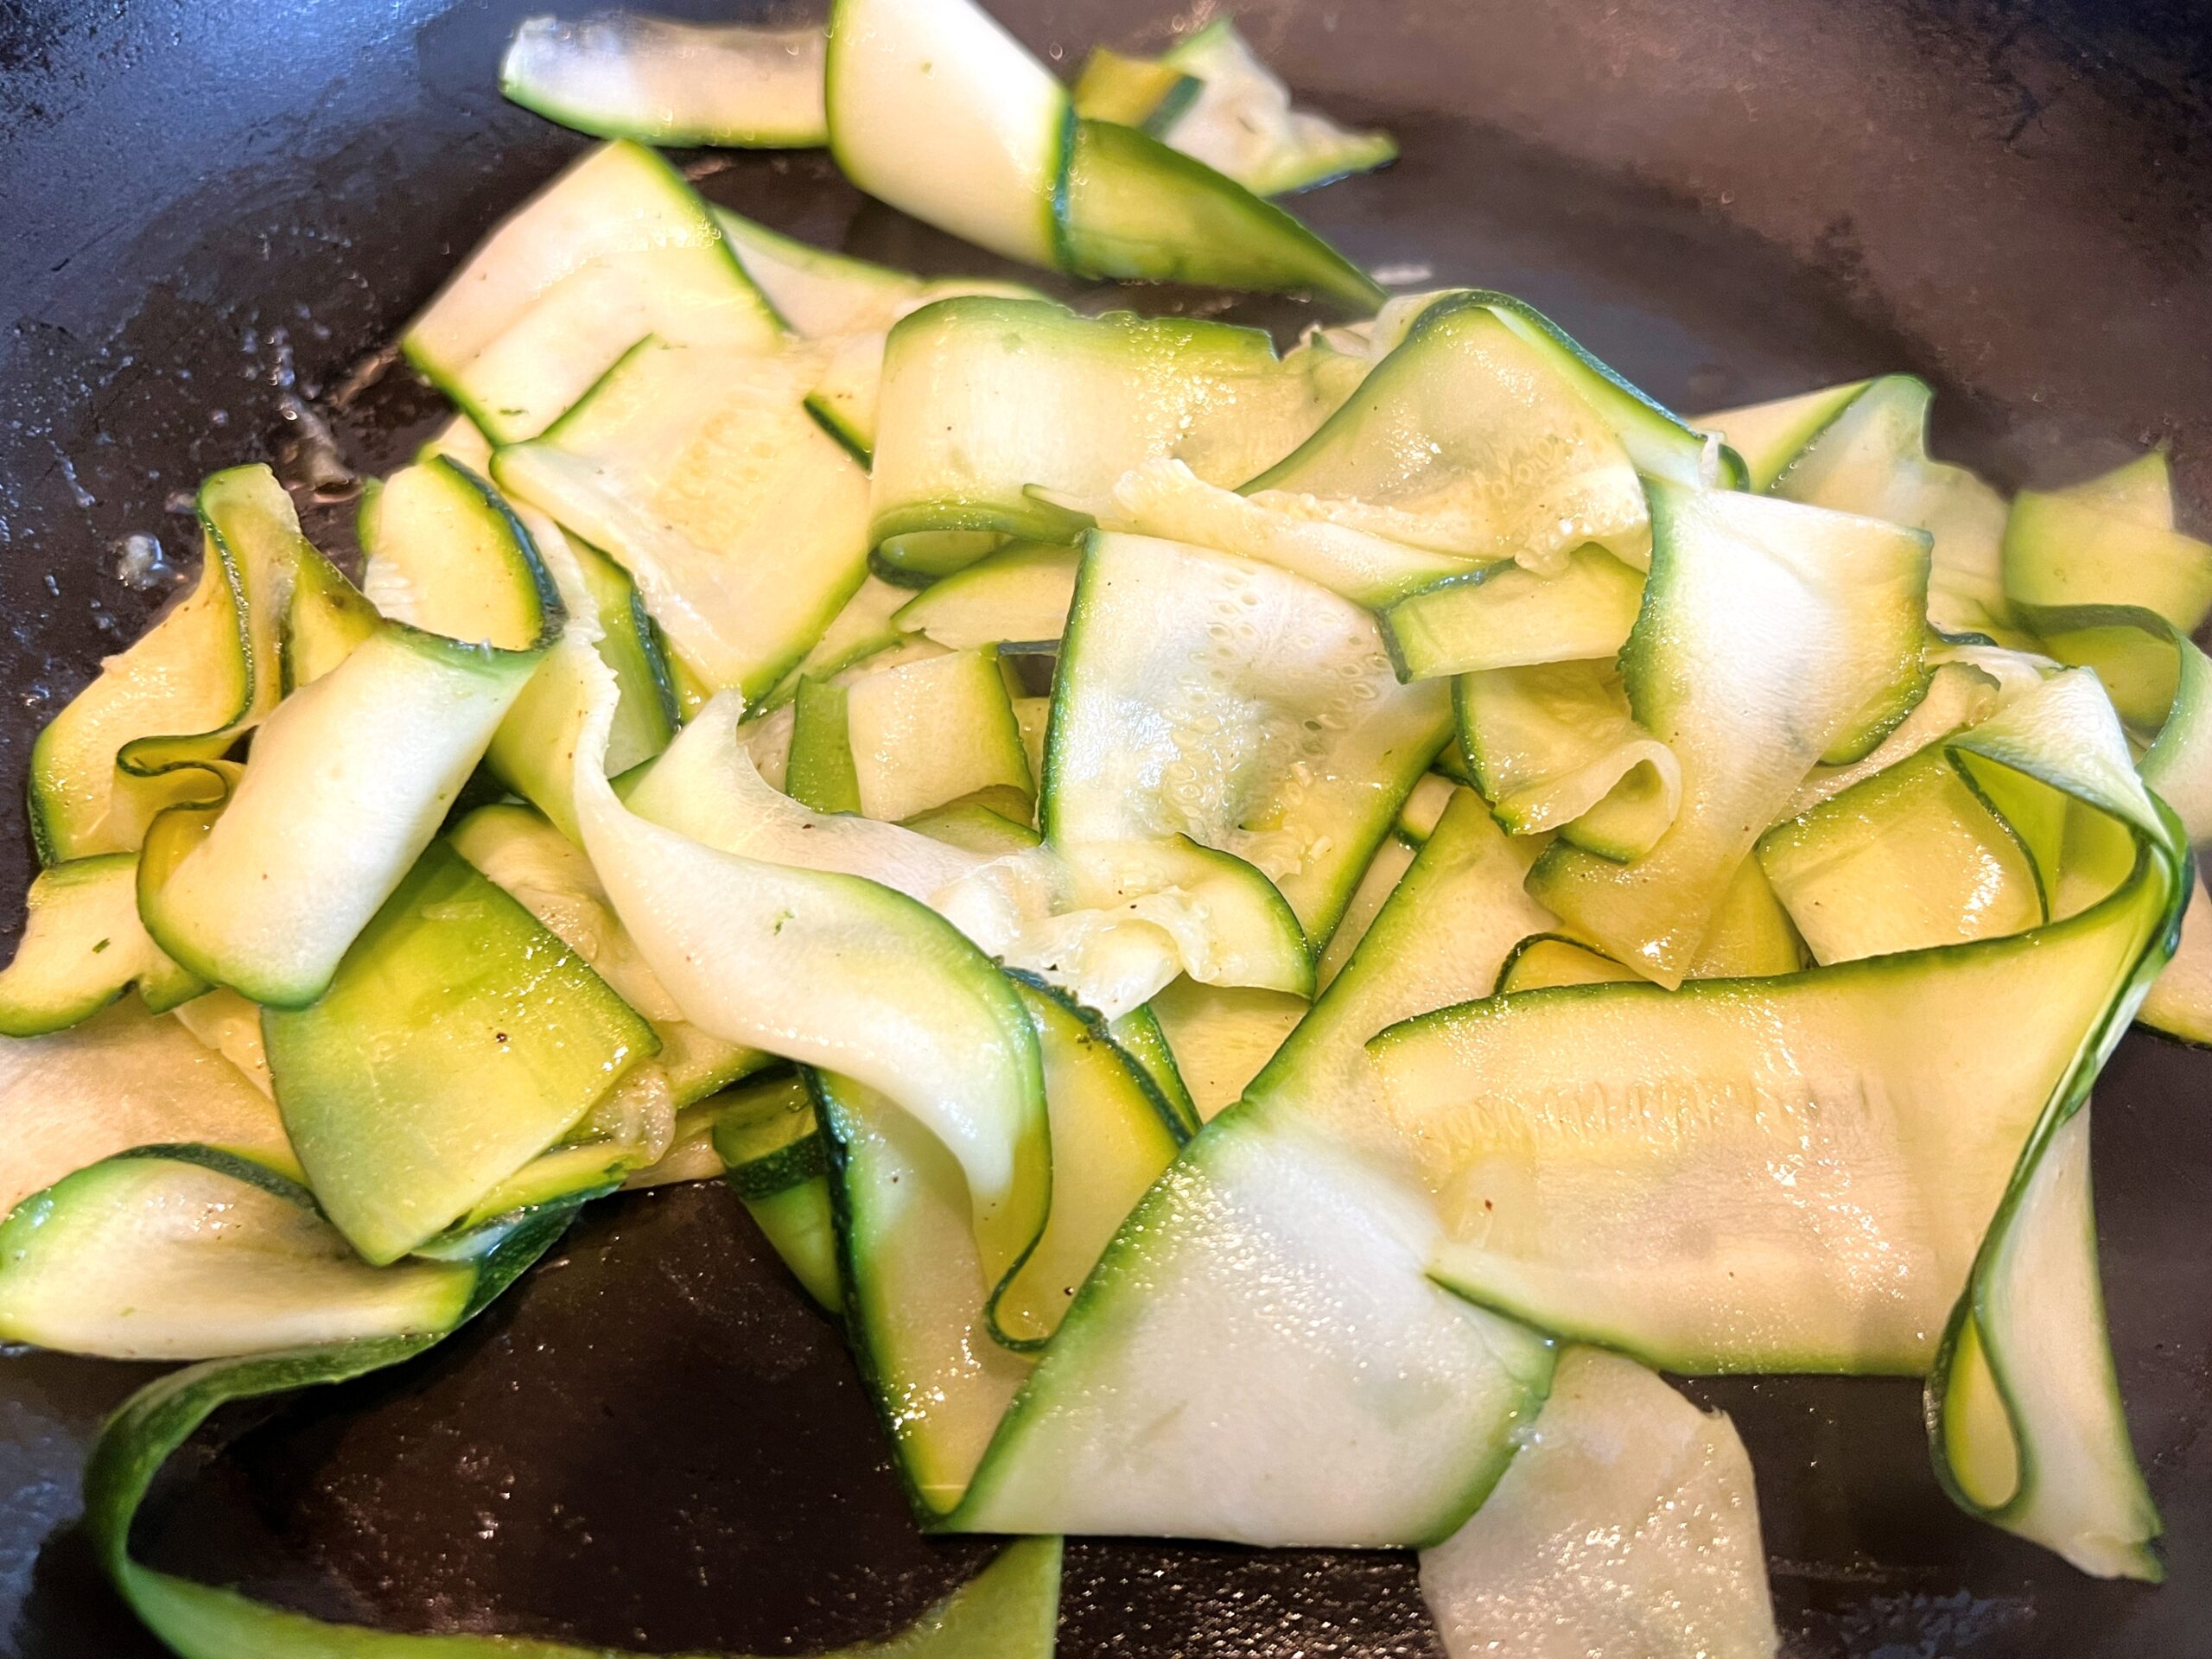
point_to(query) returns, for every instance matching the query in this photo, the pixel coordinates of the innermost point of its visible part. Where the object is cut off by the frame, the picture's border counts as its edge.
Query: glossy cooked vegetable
(1226, 910)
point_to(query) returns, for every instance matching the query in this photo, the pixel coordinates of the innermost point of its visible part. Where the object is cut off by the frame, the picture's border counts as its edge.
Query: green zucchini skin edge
(160, 1417)
(1097, 1030)
(1010, 1609)
(1281, 254)
(1686, 446)
(836, 1146)
(2155, 893)
(2067, 1101)
(1094, 1031)
(149, 755)
(552, 609)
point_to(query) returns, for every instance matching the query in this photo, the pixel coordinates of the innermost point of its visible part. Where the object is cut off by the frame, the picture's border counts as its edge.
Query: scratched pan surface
(213, 211)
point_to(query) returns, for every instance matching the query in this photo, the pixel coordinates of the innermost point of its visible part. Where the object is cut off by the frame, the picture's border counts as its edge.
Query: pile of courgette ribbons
(1272, 931)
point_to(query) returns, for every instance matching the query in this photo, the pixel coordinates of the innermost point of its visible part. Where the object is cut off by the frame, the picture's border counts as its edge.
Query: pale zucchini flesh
(845, 397)
(2140, 491)
(1241, 125)
(1166, 499)
(1136, 209)
(825, 295)
(707, 787)
(1020, 593)
(1959, 695)
(1768, 436)
(1472, 440)
(1871, 458)
(225, 1022)
(186, 1253)
(2179, 1003)
(83, 946)
(1627, 1524)
(1265, 1295)
(1857, 1186)
(1258, 1358)
(529, 751)
(445, 554)
(914, 1291)
(1556, 746)
(1231, 926)
(1444, 936)
(448, 554)
(622, 75)
(1834, 602)
(1110, 923)
(1915, 855)
(968, 429)
(1418, 818)
(1113, 922)
(615, 249)
(2131, 650)
(1392, 860)
(1508, 617)
(2177, 768)
(538, 867)
(1140, 1035)
(2024, 1407)
(866, 627)
(121, 1079)
(1546, 960)
(1132, 91)
(325, 619)
(2178, 764)
(1222, 1036)
(742, 524)
(349, 779)
(782, 958)
(1206, 694)
(1776, 1285)
(800, 1225)
(934, 732)
(937, 110)
(1113, 1133)
(2067, 547)
(1210, 97)
(1752, 936)
(137, 740)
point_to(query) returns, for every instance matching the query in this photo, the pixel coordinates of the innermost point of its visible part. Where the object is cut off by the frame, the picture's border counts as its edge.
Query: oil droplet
(139, 563)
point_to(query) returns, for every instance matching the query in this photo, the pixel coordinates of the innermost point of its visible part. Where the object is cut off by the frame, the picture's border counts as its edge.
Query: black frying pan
(229, 205)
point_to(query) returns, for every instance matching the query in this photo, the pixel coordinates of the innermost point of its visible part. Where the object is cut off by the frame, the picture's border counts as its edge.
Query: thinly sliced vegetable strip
(1223, 908)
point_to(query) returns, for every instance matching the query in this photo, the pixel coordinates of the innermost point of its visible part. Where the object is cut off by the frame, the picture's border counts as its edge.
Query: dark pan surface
(221, 205)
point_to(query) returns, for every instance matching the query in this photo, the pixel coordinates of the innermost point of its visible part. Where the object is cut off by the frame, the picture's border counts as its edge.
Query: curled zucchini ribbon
(1011, 1608)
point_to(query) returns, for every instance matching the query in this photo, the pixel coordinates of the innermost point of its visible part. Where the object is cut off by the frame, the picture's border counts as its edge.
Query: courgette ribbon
(2013, 1391)
(1010, 1609)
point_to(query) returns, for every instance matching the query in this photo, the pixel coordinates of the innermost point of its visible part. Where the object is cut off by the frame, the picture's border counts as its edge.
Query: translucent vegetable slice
(1203, 695)
(181, 1252)
(1771, 634)
(616, 248)
(700, 472)
(141, 737)
(1241, 125)
(619, 75)
(837, 971)
(1627, 1524)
